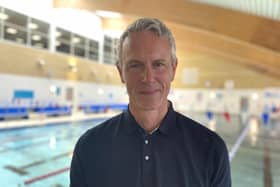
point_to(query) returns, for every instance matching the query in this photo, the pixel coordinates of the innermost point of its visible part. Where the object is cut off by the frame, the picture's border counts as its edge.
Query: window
(39, 31)
(109, 50)
(16, 18)
(3, 17)
(62, 41)
(78, 43)
(15, 26)
(75, 44)
(20, 28)
(93, 50)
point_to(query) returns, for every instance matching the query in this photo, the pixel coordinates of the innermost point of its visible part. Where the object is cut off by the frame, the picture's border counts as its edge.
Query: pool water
(41, 156)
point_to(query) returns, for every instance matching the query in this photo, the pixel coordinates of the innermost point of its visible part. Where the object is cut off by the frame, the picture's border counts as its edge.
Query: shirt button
(147, 157)
(146, 141)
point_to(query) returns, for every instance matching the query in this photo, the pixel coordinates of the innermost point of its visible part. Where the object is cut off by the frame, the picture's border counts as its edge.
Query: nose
(148, 74)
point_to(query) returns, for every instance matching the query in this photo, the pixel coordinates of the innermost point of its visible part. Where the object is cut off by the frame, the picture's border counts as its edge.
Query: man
(150, 145)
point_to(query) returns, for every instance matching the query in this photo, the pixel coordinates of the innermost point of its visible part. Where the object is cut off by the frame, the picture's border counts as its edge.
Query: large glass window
(78, 43)
(109, 50)
(93, 50)
(3, 17)
(16, 18)
(63, 40)
(115, 46)
(39, 33)
(22, 29)
(15, 26)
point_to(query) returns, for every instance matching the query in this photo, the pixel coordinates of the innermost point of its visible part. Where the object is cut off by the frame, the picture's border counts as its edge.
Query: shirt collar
(166, 127)
(129, 123)
(168, 124)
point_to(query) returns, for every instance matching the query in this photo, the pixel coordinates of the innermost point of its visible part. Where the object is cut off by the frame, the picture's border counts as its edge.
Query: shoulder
(101, 132)
(198, 133)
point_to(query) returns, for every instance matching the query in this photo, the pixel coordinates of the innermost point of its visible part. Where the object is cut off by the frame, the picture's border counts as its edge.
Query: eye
(158, 64)
(134, 65)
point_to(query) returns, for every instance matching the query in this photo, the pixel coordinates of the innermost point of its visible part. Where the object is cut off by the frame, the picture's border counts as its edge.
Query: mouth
(148, 92)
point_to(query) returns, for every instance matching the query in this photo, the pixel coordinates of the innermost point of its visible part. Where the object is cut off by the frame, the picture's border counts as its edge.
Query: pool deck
(37, 120)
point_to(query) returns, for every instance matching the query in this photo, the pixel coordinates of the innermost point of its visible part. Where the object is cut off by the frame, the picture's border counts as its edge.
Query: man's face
(147, 70)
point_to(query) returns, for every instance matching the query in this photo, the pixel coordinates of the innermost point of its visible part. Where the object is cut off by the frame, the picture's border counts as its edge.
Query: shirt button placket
(146, 149)
(148, 170)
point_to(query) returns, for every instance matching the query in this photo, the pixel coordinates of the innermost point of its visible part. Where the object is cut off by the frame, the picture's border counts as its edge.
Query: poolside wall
(47, 91)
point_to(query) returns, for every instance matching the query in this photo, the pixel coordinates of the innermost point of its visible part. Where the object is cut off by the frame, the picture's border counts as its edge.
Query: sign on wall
(23, 94)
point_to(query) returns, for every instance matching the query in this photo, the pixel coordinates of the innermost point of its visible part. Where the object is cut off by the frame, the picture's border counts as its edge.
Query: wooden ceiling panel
(223, 44)
(226, 22)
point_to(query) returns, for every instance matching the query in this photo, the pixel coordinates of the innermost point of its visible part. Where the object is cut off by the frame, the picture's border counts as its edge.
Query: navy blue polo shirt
(180, 153)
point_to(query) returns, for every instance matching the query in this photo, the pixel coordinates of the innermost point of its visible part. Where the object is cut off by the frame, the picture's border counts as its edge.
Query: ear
(174, 67)
(119, 67)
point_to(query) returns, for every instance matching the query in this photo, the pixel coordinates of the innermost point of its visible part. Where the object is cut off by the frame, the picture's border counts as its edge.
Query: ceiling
(220, 44)
(264, 8)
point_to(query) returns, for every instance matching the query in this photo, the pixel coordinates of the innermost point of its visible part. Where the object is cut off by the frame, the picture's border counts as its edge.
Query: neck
(149, 120)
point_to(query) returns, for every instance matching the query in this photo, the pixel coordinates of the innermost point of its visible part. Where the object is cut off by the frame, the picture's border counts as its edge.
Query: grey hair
(148, 24)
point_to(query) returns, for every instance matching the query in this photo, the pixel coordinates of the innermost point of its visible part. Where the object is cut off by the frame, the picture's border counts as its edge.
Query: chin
(149, 105)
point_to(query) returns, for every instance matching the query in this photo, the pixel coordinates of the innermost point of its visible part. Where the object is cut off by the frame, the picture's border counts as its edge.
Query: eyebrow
(134, 61)
(160, 60)
(139, 61)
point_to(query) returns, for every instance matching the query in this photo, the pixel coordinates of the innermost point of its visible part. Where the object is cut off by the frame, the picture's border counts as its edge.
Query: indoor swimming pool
(30, 154)
(40, 156)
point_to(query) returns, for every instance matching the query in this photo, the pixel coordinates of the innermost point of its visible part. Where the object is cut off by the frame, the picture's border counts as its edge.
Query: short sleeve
(220, 175)
(77, 177)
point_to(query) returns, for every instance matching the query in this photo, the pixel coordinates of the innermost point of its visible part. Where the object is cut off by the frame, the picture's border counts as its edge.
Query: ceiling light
(100, 91)
(76, 40)
(108, 14)
(32, 26)
(212, 95)
(52, 88)
(57, 43)
(11, 30)
(3, 16)
(57, 33)
(72, 65)
(36, 37)
(255, 96)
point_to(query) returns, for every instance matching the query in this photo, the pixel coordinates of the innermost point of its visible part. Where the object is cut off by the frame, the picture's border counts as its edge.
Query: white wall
(84, 93)
(216, 100)
(197, 100)
(90, 93)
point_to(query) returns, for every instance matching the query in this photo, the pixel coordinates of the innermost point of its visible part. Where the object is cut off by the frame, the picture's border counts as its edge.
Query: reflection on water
(254, 131)
(52, 142)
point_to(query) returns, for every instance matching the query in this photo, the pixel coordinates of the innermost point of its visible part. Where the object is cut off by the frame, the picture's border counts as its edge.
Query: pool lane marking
(22, 169)
(41, 177)
(238, 142)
